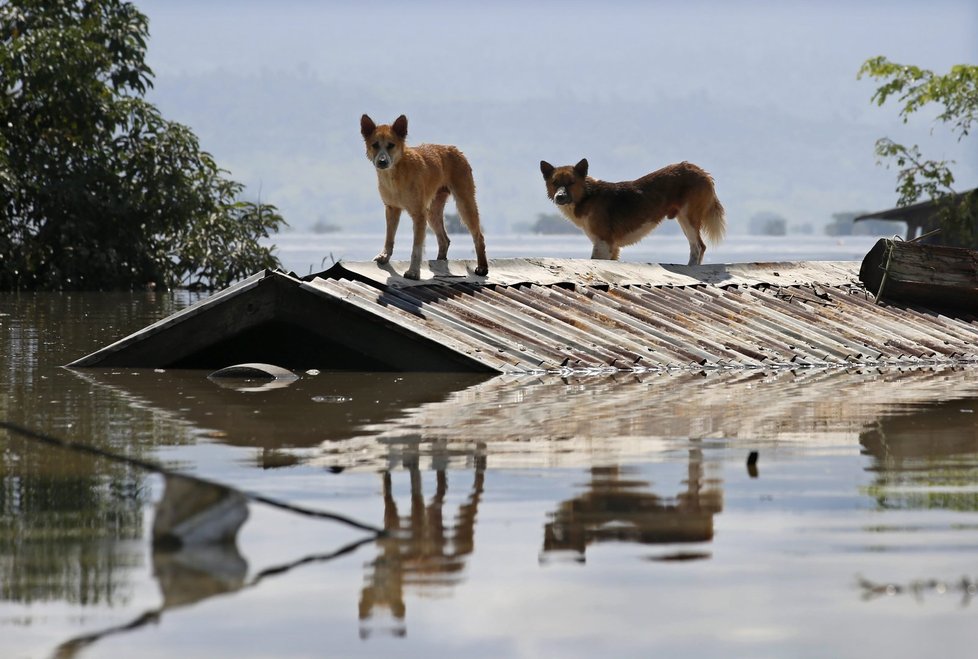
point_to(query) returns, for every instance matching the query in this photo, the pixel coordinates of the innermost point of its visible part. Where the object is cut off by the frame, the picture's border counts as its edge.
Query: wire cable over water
(152, 467)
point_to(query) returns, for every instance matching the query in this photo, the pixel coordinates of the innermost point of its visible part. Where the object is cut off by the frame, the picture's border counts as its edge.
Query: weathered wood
(934, 276)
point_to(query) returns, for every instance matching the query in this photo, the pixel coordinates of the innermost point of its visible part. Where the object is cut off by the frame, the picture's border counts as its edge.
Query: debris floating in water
(752, 464)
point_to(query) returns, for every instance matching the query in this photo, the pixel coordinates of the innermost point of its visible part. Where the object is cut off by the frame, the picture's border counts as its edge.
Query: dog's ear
(546, 169)
(400, 126)
(581, 168)
(367, 126)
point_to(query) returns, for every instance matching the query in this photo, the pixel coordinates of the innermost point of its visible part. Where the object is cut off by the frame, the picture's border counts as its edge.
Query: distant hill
(295, 139)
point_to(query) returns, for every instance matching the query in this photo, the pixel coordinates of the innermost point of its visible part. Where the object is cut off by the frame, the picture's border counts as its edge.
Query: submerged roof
(549, 315)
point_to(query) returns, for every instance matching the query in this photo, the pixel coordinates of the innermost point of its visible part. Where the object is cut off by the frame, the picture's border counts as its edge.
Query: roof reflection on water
(647, 456)
(554, 421)
(371, 421)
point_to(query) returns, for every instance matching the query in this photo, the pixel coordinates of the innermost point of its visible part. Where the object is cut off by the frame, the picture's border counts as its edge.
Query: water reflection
(185, 577)
(881, 464)
(200, 563)
(419, 551)
(68, 526)
(925, 457)
(965, 589)
(614, 507)
(276, 415)
(555, 421)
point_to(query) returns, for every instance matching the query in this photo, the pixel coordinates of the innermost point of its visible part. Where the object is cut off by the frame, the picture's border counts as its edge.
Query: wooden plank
(933, 276)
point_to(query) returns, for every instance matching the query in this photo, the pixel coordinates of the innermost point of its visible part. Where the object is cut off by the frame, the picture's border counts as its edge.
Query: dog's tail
(714, 222)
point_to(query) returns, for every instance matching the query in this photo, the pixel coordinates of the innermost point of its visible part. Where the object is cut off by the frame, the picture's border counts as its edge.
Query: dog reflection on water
(419, 549)
(617, 508)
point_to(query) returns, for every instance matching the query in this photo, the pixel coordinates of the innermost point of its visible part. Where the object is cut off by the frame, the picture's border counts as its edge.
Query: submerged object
(255, 371)
(253, 376)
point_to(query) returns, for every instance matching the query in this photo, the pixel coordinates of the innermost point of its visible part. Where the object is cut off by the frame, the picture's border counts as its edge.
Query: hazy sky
(793, 60)
(799, 54)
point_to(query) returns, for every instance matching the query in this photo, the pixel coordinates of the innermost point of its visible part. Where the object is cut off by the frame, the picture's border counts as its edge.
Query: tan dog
(419, 180)
(617, 214)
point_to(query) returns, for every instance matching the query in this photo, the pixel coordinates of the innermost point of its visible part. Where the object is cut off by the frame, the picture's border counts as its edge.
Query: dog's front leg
(417, 249)
(393, 217)
(603, 250)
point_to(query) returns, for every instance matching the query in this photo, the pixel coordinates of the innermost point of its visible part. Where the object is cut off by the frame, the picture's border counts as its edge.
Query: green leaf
(97, 189)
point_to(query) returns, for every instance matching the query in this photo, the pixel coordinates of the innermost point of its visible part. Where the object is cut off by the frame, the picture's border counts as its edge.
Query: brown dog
(419, 180)
(617, 214)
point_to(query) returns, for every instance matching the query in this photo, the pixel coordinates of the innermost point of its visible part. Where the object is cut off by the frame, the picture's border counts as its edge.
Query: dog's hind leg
(604, 250)
(469, 212)
(417, 249)
(393, 217)
(436, 220)
(692, 232)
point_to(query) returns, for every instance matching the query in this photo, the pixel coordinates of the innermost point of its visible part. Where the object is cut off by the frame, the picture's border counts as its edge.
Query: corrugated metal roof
(551, 315)
(587, 272)
(532, 315)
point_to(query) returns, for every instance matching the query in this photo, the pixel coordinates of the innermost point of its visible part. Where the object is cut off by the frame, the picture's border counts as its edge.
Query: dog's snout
(382, 161)
(561, 196)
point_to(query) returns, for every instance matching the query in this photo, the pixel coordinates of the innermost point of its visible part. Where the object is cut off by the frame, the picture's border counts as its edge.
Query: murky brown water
(529, 517)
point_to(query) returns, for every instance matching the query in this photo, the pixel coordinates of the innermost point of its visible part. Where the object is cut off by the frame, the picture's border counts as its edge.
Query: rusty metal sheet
(587, 272)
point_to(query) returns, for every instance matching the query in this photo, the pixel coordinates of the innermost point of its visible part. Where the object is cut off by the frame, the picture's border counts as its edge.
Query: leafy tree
(553, 223)
(956, 93)
(766, 223)
(97, 189)
(453, 223)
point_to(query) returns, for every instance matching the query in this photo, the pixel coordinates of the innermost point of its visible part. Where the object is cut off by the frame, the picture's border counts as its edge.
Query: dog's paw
(412, 274)
(382, 258)
(481, 271)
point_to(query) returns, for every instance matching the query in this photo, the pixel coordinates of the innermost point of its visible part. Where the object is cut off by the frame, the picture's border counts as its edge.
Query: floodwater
(527, 516)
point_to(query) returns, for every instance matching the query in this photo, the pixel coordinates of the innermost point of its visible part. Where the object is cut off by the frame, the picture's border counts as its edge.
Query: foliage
(916, 177)
(956, 93)
(323, 226)
(553, 223)
(453, 224)
(959, 220)
(97, 189)
(766, 223)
